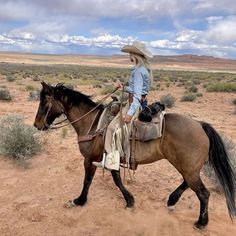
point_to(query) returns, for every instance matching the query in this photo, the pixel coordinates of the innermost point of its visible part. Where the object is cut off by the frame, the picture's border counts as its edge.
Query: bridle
(52, 99)
(45, 124)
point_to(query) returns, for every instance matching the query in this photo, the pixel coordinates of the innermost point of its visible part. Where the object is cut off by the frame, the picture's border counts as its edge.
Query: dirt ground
(32, 198)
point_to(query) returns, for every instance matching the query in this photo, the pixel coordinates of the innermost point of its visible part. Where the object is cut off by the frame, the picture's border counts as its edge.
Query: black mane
(73, 97)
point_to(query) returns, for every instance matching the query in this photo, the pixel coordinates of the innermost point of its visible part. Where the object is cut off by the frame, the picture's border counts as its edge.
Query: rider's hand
(119, 85)
(127, 118)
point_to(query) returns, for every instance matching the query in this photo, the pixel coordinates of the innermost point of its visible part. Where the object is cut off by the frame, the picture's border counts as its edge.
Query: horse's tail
(219, 160)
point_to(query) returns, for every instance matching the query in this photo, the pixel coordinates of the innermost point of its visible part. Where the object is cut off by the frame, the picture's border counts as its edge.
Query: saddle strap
(133, 164)
(87, 137)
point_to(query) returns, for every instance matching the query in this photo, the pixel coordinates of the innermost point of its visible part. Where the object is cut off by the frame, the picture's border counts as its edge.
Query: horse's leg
(203, 195)
(127, 195)
(175, 196)
(90, 170)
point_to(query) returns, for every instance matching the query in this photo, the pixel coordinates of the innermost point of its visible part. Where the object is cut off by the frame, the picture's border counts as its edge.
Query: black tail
(219, 160)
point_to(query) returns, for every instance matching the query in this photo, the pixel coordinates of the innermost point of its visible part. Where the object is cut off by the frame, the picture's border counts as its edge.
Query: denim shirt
(139, 84)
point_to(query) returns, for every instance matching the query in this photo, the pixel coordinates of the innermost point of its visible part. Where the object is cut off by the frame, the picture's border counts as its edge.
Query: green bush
(5, 94)
(234, 101)
(29, 88)
(34, 95)
(193, 89)
(199, 94)
(107, 89)
(189, 97)
(168, 100)
(221, 87)
(18, 140)
(10, 78)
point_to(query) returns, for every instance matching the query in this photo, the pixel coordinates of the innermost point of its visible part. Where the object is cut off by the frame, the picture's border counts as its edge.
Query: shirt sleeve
(138, 85)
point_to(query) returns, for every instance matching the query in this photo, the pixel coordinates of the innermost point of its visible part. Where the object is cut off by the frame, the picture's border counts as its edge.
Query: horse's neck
(84, 125)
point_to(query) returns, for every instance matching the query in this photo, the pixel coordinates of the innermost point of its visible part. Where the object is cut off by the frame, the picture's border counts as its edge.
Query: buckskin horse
(187, 144)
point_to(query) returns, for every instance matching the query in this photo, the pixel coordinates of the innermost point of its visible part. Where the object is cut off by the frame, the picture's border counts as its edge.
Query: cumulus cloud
(27, 41)
(175, 26)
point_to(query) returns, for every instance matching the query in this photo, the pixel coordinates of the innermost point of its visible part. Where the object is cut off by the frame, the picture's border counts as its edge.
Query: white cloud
(106, 40)
(222, 30)
(6, 40)
(26, 41)
(188, 35)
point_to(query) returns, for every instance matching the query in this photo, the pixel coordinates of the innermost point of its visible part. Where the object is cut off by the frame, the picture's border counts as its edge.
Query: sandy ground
(32, 198)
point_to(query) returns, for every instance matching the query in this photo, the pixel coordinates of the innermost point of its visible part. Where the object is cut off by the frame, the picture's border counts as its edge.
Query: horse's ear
(46, 87)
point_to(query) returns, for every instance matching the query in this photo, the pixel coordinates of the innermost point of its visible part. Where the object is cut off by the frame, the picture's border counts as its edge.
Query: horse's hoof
(128, 208)
(69, 204)
(198, 226)
(171, 208)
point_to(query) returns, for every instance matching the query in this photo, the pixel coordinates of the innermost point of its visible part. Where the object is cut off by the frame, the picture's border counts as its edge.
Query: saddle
(109, 113)
(148, 126)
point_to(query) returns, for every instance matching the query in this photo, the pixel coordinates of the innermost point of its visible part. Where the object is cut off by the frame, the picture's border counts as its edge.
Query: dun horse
(187, 144)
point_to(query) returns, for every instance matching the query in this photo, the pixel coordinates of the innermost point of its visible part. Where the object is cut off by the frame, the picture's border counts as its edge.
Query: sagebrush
(18, 140)
(168, 100)
(5, 94)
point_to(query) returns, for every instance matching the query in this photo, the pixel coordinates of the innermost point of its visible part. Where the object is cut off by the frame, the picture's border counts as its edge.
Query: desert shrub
(34, 95)
(193, 89)
(105, 80)
(29, 88)
(10, 78)
(199, 94)
(189, 97)
(221, 87)
(231, 151)
(5, 94)
(35, 78)
(107, 89)
(234, 101)
(196, 81)
(168, 84)
(97, 86)
(17, 140)
(168, 100)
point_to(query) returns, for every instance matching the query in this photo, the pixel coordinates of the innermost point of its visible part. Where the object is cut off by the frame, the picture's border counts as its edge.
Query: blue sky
(168, 27)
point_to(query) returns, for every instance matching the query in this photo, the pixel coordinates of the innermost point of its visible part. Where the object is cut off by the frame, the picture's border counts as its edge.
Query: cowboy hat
(138, 48)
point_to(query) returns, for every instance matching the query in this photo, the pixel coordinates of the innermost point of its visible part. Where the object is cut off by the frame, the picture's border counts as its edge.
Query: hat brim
(129, 49)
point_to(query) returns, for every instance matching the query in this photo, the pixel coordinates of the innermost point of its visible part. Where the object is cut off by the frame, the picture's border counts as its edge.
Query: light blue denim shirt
(139, 84)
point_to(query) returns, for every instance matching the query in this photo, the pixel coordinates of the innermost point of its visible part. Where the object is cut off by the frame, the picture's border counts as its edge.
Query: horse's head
(50, 107)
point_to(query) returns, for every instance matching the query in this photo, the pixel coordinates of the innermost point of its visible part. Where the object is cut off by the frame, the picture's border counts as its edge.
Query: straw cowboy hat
(138, 48)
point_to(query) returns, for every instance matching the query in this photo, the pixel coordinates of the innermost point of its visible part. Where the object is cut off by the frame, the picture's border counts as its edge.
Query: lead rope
(122, 128)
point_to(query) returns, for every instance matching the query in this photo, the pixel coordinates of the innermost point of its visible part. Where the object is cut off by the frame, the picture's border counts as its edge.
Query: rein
(76, 120)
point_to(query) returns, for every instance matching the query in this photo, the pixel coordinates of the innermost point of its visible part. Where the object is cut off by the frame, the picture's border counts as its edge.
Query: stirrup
(101, 163)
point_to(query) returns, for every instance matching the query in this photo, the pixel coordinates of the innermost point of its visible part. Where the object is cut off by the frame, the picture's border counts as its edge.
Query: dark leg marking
(203, 195)
(127, 195)
(175, 196)
(90, 170)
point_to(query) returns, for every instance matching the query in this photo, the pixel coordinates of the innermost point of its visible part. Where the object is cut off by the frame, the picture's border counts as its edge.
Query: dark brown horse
(186, 144)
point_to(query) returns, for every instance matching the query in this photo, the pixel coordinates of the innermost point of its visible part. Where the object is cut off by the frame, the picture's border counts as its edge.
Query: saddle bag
(146, 131)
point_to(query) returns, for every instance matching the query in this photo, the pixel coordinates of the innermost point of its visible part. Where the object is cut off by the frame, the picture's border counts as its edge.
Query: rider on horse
(139, 86)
